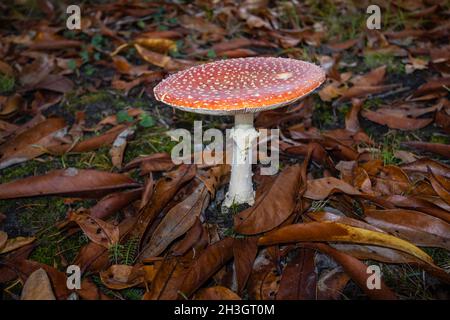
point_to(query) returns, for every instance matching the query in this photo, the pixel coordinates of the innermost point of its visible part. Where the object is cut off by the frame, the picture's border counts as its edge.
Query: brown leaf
(3, 240)
(199, 24)
(96, 142)
(92, 257)
(264, 279)
(416, 227)
(432, 86)
(395, 121)
(337, 232)
(53, 82)
(360, 91)
(244, 251)
(114, 202)
(157, 44)
(351, 118)
(441, 185)
(32, 142)
(299, 278)
(176, 222)
(273, 207)
(421, 165)
(165, 190)
(90, 291)
(37, 287)
(24, 268)
(11, 106)
(71, 181)
(118, 147)
(190, 239)
(12, 244)
(155, 162)
(213, 177)
(320, 189)
(331, 284)
(373, 78)
(208, 263)
(123, 66)
(161, 60)
(119, 277)
(98, 231)
(357, 271)
(411, 202)
(216, 293)
(437, 148)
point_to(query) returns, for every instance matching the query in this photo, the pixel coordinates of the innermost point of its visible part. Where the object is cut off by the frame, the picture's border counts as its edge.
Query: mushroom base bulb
(241, 185)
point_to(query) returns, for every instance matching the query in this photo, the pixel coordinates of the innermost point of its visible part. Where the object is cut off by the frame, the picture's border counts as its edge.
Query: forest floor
(383, 112)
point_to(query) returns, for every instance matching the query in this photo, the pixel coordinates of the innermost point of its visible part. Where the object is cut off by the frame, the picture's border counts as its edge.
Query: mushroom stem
(241, 186)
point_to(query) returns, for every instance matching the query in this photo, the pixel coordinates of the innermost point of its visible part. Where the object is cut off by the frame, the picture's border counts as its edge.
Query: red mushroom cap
(241, 85)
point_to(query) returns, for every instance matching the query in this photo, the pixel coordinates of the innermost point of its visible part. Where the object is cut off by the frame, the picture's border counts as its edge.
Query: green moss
(7, 84)
(89, 98)
(342, 23)
(373, 60)
(436, 138)
(149, 141)
(323, 116)
(388, 148)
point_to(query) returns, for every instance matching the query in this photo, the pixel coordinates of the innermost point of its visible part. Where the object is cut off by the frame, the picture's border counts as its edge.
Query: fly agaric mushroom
(240, 87)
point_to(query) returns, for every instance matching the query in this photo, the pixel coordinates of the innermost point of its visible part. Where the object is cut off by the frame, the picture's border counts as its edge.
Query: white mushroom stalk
(241, 185)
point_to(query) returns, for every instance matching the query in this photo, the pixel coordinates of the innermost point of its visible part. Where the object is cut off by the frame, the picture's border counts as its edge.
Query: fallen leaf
(209, 262)
(395, 121)
(15, 243)
(416, 227)
(98, 231)
(320, 189)
(118, 147)
(32, 142)
(273, 207)
(176, 222)
(441, 185)
(437, 148)
(155, 162)
(37, 287)
(357, 272)
(3, 240)
(71, 181)
(114, 202)
(299, 278)
(244, 252)
(337, 232)
(190, 239)
(216, 293)
(422, 165)
(119, 277)
(165, 190)
(331, 284)
(373, 78)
